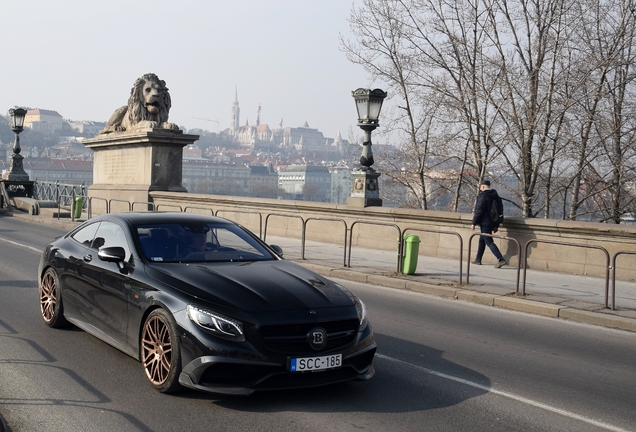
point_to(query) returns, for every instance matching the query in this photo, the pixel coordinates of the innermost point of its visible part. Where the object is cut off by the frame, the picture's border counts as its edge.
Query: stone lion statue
(148, 107)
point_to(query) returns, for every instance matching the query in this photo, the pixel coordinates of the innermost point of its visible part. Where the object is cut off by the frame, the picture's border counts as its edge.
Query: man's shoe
(476, 262)
(502, 262)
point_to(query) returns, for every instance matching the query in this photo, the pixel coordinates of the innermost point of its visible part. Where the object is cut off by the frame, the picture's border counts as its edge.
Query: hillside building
(44, 120)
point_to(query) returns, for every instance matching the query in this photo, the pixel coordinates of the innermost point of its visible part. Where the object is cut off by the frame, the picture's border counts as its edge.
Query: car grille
(292, 339)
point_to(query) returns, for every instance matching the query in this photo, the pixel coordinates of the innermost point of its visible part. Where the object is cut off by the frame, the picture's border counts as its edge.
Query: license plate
(306, 364)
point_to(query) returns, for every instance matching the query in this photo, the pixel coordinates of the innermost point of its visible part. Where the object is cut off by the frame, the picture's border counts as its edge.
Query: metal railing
(304, 234)
(302, 221)
(400, 240)
(52, 191)
(185, 210)
(581, 245)
(90, 205)
(112, 200)
(170, 205)
(614, 274)
(150, 205)
(461, 243)
(68, 203)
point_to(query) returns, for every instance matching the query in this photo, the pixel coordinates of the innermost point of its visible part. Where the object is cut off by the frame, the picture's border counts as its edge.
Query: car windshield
(174, 242)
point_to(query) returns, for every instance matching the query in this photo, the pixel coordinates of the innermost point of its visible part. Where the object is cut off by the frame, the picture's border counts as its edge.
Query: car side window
(111, 234)
(86, 234)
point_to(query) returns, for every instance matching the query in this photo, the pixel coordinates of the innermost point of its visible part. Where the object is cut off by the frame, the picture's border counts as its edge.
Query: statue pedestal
(16, 169)
(10, 189)
(127, 166)
(365, 190)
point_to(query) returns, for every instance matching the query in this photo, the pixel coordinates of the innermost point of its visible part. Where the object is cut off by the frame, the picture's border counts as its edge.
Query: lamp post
(365, 191)
(16, 170)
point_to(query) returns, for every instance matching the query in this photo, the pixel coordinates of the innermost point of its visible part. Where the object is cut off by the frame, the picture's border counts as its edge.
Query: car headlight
(217, 324)
(362, 313)
(360, 307)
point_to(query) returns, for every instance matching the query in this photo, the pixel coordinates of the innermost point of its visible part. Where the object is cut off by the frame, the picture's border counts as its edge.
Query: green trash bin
(78, 203)
(411, 250)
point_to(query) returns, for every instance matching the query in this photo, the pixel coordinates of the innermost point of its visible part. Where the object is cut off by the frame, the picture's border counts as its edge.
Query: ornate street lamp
(16, 170)
(365, 191)
(369, 104)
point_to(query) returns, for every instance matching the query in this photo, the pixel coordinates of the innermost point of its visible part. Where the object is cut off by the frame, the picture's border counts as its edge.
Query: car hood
(257, 286)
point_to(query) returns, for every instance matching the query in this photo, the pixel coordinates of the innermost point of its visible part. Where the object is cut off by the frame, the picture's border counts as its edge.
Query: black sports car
(203, 303)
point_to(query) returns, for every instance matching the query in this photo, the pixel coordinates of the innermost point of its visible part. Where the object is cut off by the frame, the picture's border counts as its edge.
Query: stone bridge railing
(326, 226)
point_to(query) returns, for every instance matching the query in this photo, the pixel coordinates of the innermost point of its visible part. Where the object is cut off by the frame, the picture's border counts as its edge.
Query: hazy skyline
(81, 58)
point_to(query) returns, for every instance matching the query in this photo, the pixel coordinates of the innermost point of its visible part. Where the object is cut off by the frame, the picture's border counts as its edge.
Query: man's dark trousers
(487, 241)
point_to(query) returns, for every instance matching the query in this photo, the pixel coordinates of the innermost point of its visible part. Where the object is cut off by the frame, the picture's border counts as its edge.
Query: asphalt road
(442, 365)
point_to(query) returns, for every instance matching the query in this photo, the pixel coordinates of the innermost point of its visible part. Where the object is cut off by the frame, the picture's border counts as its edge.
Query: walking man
(486, 224)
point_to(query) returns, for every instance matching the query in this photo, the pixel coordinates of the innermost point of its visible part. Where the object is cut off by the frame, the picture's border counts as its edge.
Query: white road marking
(506, 394)
(22, 245)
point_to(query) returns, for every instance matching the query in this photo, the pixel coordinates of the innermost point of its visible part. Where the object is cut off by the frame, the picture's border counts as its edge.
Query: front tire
(161, 352)
(51, 308)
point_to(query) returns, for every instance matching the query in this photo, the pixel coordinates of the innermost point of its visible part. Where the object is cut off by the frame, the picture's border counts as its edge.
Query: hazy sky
(81, 58)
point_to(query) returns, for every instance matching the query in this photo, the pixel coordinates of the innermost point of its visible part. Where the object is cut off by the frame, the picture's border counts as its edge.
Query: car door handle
(88, 258)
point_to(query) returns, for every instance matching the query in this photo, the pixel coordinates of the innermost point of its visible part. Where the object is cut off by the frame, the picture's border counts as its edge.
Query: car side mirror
(112, 254)
(277, 249)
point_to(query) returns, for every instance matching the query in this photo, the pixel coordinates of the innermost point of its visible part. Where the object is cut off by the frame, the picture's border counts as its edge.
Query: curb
(495, 300)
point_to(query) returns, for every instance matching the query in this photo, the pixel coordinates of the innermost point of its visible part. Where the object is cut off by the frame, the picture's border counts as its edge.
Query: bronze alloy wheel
(48, 297)
(50, 300)
(160, 351)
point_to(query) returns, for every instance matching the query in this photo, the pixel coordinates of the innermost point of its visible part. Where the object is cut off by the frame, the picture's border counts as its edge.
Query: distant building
(44, 120)
(68, 150)
(341, 184)
(303, 140)
(254, 137)
(64, 171)
(192, 151)
(205, 176)
(263, 181)
(305, 182)
(87, 128)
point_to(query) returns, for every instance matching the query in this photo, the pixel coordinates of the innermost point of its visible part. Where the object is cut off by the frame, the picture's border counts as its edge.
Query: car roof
(139, 218)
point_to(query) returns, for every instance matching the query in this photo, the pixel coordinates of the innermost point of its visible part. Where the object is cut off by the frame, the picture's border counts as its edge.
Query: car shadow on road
(20, 356)
(409, 377)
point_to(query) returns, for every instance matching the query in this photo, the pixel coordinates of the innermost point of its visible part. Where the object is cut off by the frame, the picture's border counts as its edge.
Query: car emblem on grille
(317, 338)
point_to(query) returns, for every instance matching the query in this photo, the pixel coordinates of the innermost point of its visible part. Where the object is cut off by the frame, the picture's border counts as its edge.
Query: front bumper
(243, 377)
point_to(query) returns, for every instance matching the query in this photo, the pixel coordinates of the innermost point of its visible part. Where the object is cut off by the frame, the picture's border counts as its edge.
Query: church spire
(236, 111)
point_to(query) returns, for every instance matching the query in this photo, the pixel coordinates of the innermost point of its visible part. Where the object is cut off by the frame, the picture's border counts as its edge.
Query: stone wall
(542, 256)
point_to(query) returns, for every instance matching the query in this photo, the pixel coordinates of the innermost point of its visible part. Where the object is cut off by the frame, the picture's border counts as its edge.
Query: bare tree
(436, 72)
(540, 90)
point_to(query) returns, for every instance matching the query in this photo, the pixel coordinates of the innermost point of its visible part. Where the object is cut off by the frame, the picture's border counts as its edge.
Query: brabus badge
(317, 338)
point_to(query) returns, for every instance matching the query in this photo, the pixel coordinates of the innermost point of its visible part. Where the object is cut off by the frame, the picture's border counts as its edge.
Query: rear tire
(161, 351)
(51, 308)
